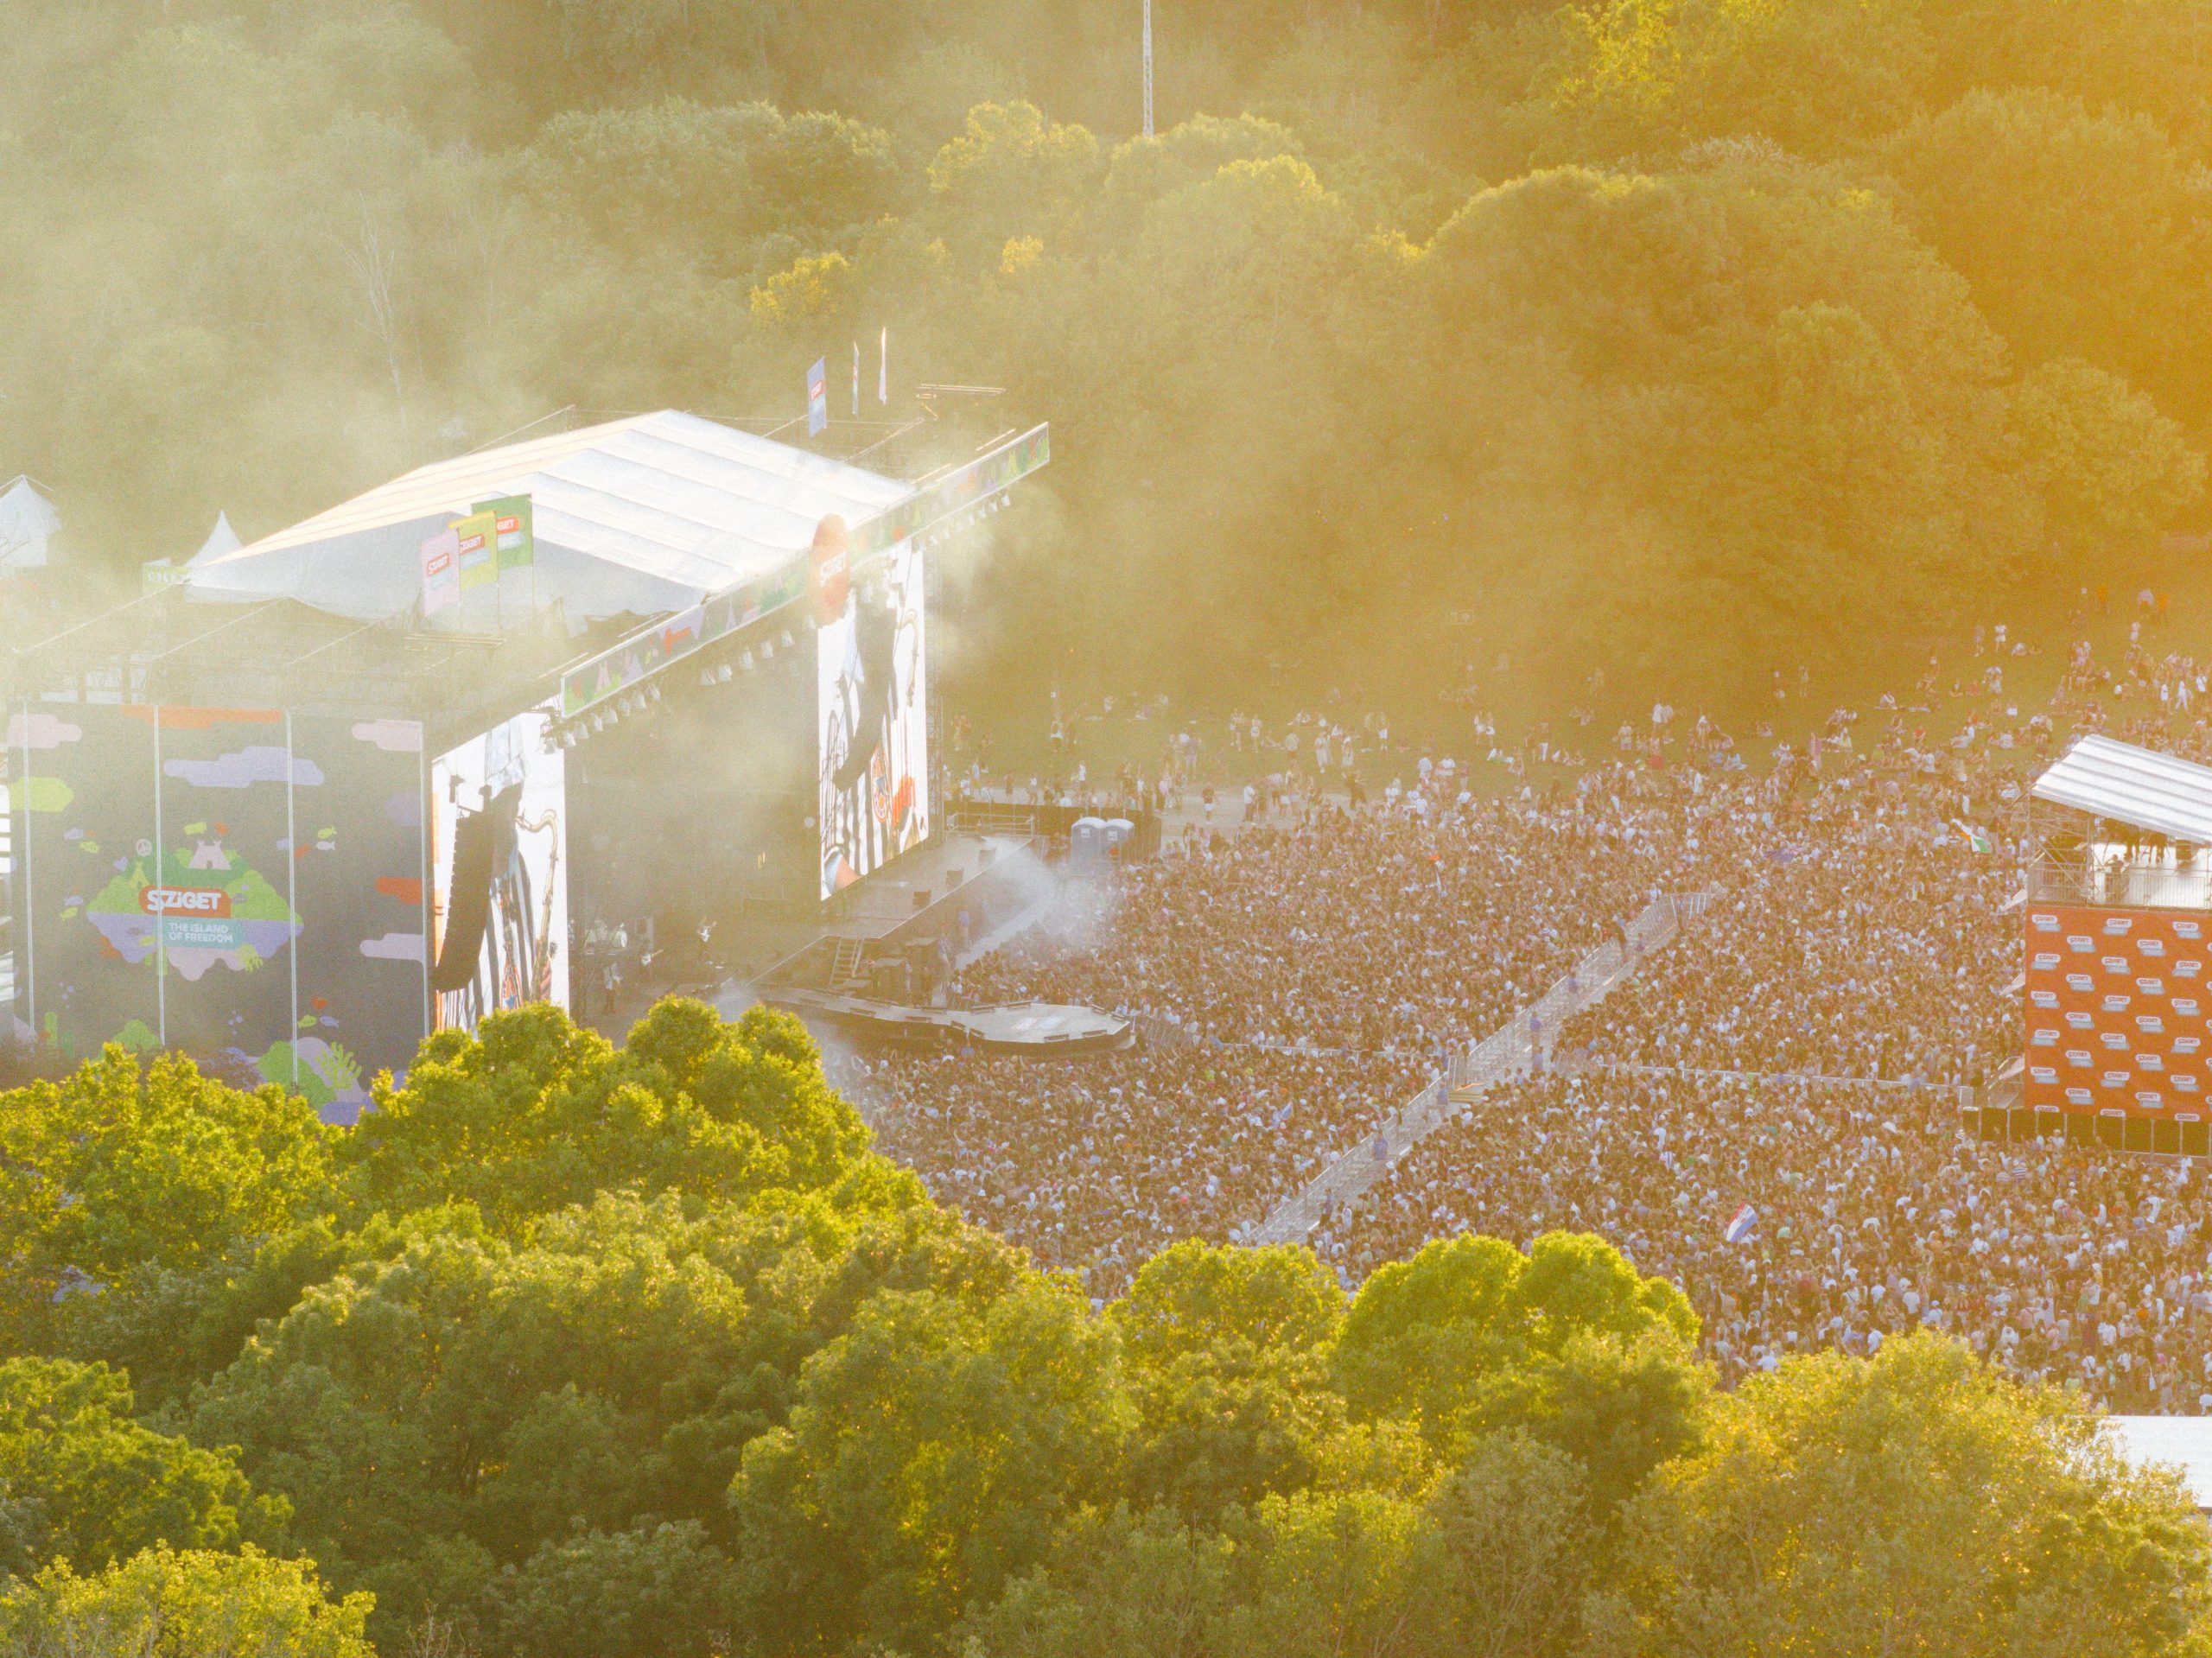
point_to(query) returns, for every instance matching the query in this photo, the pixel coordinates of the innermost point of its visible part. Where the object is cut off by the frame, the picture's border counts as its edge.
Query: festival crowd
(1314, 972)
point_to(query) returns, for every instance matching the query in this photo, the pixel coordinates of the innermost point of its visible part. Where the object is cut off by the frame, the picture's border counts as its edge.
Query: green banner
(516, 535)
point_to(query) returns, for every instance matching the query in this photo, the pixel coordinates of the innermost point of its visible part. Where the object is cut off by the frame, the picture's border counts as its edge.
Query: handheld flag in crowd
(1977, 839)
(1741, 1224)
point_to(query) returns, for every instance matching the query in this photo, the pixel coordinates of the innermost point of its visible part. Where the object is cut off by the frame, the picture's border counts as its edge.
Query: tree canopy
(1707, 334)
(645, 1353)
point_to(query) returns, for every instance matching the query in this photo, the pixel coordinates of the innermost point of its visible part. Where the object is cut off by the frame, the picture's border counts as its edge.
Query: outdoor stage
(646, 702)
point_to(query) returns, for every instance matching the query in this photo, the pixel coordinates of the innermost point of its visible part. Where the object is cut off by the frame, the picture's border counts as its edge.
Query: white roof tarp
(2183, 1443)
(641, 516)
(28, 522)
(2133, 785)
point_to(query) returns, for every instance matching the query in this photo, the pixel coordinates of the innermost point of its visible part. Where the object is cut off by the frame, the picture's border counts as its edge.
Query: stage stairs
(1515, 1048)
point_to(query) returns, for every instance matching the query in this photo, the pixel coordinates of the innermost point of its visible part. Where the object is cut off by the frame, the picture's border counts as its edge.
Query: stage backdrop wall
(239, 884)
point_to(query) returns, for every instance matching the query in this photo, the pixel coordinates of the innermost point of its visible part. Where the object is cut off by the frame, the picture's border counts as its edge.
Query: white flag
(883, 369)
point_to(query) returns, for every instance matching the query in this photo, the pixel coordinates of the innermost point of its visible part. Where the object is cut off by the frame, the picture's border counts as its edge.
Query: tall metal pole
(1147, 68)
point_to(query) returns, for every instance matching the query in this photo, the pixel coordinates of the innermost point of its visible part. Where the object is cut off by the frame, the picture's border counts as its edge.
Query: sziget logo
(186, 900)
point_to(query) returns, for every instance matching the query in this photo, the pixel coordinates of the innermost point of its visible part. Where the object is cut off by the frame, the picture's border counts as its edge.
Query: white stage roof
(2133, 785)
(641, 516)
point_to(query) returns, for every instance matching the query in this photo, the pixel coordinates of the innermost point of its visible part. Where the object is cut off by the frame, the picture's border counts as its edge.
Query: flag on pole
(856, 379)
(479, 553)
(517, 545)
(817, 398)
(440, 571)
(883, 368)
(1741, 1224)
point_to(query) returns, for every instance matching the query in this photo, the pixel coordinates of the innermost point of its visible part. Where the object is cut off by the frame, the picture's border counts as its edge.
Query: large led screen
(499, 841)
(234, 883)
(873, 721)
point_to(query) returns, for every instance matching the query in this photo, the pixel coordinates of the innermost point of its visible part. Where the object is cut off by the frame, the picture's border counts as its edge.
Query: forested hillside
(1709, 334)
(569, 1352)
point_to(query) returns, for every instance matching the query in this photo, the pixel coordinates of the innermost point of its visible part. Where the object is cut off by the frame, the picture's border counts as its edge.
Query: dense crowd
(1379, 928)
(1872, 1213)
(1095, 1165)
(1853, 954)
(1316, 970)
(1300, 981)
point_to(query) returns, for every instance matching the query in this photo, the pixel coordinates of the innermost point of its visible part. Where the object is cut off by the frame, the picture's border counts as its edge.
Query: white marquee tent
(641, 516)
(28, 523)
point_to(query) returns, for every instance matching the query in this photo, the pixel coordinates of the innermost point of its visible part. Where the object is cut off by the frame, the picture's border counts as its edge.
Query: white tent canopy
(641, 516)
(220, 540)
(2137, 786)
(28, 523)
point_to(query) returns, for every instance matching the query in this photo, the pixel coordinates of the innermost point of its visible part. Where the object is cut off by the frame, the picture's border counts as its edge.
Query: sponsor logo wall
(239, 884)
(2117, 1010)
(515, 776)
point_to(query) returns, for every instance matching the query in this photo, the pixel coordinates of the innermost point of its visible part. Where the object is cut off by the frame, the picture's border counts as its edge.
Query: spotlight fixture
(787, 638)
(746, 662)
(722, 673)
(706, 676)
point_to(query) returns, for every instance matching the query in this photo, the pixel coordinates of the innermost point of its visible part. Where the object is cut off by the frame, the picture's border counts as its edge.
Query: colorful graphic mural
(182, 880)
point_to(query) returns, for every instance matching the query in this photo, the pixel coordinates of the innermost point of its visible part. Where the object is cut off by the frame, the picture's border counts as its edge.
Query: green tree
(121, 1166)
(931, 1450)
(1512, 1551)
(1227, 1358)
(1146, 1585)
(1011, 172)
(81, 1481)
(534, 1113)
(663, 1590)
(1919, 1502)
(1328, 1575)
(1567, 1343)
(2082, 235)
(193, 1604)
(2112, 470)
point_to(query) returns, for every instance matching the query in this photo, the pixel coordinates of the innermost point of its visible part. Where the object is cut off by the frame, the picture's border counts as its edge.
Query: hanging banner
(517, 543)
(478, 550)
(440, 571)
(817, 398)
